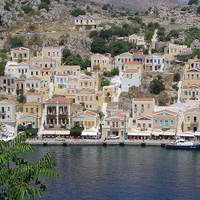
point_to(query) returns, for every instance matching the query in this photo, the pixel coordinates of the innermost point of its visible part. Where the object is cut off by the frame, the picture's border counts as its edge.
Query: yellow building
(142, 107)
(165, 119)
(32, 113)
(191, 82)
(87, 119)
(54, 53)
(109, 93)
(20, 54)
(116, 124)
(60, 84)
(86, 82)
(100, 62)
(191, 120)
(90, 99)
(72, 70)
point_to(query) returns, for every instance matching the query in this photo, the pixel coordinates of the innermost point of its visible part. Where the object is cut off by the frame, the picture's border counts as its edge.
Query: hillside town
(141, 93)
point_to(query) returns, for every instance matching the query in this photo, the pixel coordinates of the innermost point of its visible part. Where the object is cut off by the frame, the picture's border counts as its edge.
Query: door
(194, 129)
(193, 94)
(166, 124)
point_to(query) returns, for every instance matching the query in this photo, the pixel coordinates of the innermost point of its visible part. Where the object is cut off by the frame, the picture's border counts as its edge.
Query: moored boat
(182, 144)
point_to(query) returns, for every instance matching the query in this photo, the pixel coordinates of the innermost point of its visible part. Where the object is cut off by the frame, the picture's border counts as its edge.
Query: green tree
(119, 46)
(162, 100)
(17, 41)
(2, 67)
(88, 73)
(157, 85)
(26, 9)
(193, 2)
(105, 83)
(114, 72)
(65, 54)
(176, 77)
(19, 178)
(75, 60)
(198, 10)
(46, 1)
(94, 34)
(77, 12)
(21, 98)
(99, 46)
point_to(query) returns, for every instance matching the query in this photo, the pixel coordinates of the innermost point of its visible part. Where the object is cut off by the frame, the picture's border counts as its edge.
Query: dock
(85, 142)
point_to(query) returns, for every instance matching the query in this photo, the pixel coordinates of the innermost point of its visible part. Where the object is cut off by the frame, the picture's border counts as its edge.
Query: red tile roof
(34, 93)
(91, 113)
(46, 68)
(120, 115)
(59, 99)
(168, 111)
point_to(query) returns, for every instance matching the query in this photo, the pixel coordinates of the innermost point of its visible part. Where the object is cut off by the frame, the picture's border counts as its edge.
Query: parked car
(112, 137)
(58, 138)
(51, 126)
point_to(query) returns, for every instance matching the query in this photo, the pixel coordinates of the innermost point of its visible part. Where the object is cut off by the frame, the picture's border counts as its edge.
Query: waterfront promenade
(100, 142)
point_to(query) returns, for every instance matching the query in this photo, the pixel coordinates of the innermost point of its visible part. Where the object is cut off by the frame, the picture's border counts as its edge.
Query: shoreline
(85, 142)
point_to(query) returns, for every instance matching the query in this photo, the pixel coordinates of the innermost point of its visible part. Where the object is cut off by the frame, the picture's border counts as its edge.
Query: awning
(186, 134)
(169, 133)
(139, 133)
(57, 132)
(89, 132)
(197, 133)
(157, 132)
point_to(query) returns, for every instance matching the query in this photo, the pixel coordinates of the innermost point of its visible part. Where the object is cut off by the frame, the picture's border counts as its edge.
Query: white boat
(182, 144)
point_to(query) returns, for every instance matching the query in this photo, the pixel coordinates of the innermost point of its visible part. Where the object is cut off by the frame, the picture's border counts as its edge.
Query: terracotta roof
(143, 99)
(59, 99)
(134, 62)
(120, 115)
(90, 90)
(91, 113)
(34, 93)
(46, 68)
(62, 75)
(191, 86)
(137, 53)
(10, 101)
(198, 108)
(168, 111)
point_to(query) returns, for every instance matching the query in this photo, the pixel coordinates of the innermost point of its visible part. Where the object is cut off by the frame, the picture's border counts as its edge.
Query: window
(36, 85)
(138, 124)
(122, 123)
(188, 118)
(148, 105)
(26, 109)
(156, 122)
(36, 73)
(49, 54)
(149, 125)
(185, 92)
(32, 73)
(8, 108)
(90, 106)
(31, 110)
(108, 123)
(161, 122)
(171, 122)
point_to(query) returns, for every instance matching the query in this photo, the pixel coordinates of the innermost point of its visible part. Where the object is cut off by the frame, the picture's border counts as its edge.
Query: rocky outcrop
(195, 44)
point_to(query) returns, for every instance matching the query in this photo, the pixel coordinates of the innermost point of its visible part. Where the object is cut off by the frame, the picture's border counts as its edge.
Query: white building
(135, 39)
(130, 77)
(18, 69)
(154, 62)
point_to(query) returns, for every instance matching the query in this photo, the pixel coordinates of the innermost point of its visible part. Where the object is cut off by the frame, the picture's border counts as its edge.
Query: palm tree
(16, 173)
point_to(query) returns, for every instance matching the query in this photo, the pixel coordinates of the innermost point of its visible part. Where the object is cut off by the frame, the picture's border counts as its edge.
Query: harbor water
(117, 173)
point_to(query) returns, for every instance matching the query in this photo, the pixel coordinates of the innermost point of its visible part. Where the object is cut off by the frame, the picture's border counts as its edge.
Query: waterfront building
(116, 124)
(7, 114)
(191, 120)
(87, 119)
(58, 112)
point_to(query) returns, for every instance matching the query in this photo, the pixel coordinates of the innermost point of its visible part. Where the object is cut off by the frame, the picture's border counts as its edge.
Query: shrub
(17, 41)
(26, 9)
(176, 77)
(7, 5)
(105, 83)
(46, 1)
(77, 12)
(88, 73)
(43, 5)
